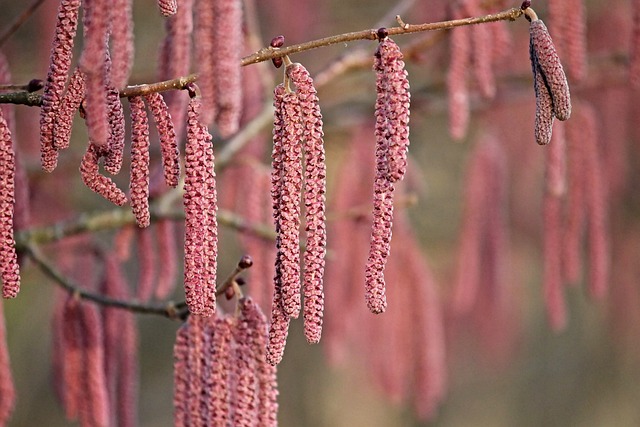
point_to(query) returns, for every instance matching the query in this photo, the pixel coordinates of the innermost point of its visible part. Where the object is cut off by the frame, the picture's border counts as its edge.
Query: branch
(21, 19)
(118, 218)
(170, 310)
(372, 34)
(266, 54)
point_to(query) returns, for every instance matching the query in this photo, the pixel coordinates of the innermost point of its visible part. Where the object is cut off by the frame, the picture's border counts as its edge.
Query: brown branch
(118, 218)
(266, 54)
(372, 34)
(21, 19)
(170, 310)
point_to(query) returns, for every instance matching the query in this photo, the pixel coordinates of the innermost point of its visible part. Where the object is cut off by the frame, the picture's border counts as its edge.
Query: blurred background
(504, 365)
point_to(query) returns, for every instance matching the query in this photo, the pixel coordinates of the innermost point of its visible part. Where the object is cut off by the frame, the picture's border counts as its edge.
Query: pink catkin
(139, 182)
(175, 59)
(146, 264)
(244, 404)
(122, 53)
(195, 361)
(168, 140)
(120, 346)
(9, 269)
(351, 235)
(575, 46)
(481, 39)
(115, 143)
(392, 107)
(181, 377)
(205, 57)
(7, 389)
(61, 53)
(167, 255)
(200, 203)
(279, 327)
(289, 204)
(552, 251)
(314, 200)
(126, 400)
(71, 349)
(168, 7)
(99, 183)
(576, 192)
(95, 410)
(457, 87)
(93, 63)
(545, 58)
(227, 40)
(267, 393)
(429, 345)
(596, 207)
(69, 105)
(634, 55)
(218, 382)
(556, 174)
(477, 182)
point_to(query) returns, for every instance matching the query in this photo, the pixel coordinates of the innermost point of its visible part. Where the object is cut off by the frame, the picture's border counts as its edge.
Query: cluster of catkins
(95, 353)
(297, 129)
(550, 82)
(221, 375)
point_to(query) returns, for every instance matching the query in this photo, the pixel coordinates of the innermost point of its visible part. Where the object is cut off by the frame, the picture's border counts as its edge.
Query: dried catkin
(168, 140)
(545, 58)
(60, 62)
(70, 103)
(96, 182)
(200, 202)
(314, 199)
(139, 181)
(9, 269)
(227, 47)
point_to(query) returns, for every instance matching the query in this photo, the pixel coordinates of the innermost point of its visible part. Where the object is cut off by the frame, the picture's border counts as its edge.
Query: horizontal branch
(118, 218)
(170, 310)
(372, 34)
(265, 54)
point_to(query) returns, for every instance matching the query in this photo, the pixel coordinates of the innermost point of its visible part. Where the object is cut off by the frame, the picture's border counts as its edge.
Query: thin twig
(118, 218)
(21, 19)
(371, 34)
(169, 309)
